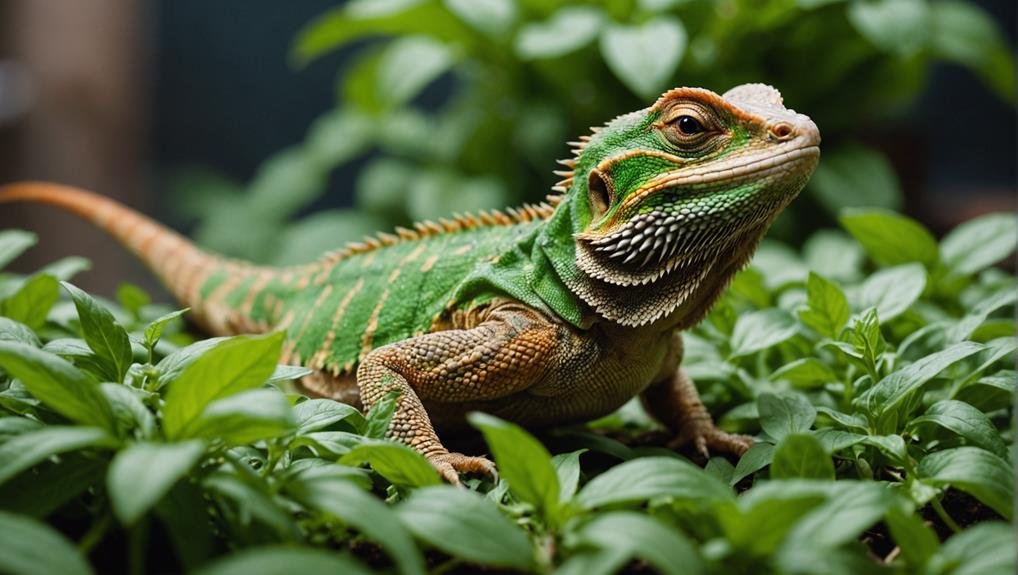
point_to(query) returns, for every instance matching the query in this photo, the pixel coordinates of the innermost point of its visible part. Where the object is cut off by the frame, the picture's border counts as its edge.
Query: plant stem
(942, 513)
(95, 533)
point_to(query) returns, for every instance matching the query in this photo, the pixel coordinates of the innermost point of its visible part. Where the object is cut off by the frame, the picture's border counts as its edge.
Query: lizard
(546, 314)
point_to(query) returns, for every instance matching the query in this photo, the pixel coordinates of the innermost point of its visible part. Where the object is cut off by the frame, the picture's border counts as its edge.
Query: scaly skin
(549, 314)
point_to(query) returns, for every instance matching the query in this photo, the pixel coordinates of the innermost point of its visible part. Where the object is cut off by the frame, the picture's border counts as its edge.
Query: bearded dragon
(545, 314)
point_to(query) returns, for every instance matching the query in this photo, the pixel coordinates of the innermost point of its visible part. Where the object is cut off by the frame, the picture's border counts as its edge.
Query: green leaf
(899, 26)
(966, 421)
(806, 373)
(303, 240)
(132, 298)
(893, 389)
(979, 243)
(254, 502)
(491, 17)
(380, 415)
(646, 478)
(893, 290)
(233, 365)
(29, 547)
(171, 366)
(785, 413)
(963, 32)
(317, 414)
(800, 455)
(284, 373)
(984, 549)
(102, 333)
(522, 461)
(66, 268)
(336, 137)
(468, 526)
(408, 65)
(855, 176)
(396, 462)
(567, 468)
(129, 409)
(154, 330)
(140, 475)
(828, 309)
(636, 535)
(11, 330)
(279, 560)
(917, 541)
(852, 507)
(976, 471)
(361, 510)
(568, 30)
(760, 330)
(834, 440)
(644, 56)
(964, 329)
(362, 18)
(31, 303)
(27, 449)
(13, 243)
(58, 384)
(833, 254)
(51, 485)
(246, 417)
(758, 457)
(890, 238)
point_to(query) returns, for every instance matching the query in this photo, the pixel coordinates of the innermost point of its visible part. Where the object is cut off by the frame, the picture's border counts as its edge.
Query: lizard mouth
(683, 232)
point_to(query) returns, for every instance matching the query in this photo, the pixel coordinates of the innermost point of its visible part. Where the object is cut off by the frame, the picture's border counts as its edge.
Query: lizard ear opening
(599, 191)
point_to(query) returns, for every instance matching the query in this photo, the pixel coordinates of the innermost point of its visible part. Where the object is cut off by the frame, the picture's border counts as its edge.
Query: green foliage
(519, 78)
(879, 390)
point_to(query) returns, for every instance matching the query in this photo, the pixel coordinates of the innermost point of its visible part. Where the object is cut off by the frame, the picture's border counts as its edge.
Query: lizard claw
(704, 436)
(450, 465)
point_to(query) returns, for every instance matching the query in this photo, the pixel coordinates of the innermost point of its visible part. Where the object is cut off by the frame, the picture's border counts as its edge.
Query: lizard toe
(705, 437)
(450, 465)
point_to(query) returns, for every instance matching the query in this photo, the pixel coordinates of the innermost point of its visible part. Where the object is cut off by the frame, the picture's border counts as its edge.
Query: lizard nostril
(782, 131)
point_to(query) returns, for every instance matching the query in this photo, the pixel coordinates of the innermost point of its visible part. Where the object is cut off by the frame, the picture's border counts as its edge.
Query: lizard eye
(689, 125)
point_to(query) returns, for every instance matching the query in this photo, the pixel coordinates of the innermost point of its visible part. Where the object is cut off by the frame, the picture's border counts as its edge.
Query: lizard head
(672, 195)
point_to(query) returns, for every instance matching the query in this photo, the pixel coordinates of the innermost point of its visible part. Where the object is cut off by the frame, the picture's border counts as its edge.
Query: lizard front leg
(502, 355)
(675, 403)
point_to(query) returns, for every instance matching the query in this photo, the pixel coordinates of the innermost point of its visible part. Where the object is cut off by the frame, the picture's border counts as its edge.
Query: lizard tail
(181, 266)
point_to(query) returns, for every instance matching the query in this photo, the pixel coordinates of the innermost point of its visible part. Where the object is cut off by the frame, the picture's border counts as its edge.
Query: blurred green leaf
(917, 541)
(32, 302)
(246, 417)
(896, 387)
(28, 449)
(408, 65)
(892, 290)
(491, 17)
(984, 549)
(140, 475)
(570, 29)
(343, 499)
(567, 468)
(761, 330)
(394, 461)
(636, 535)
(644, 56)
(29, 547)
(800, 455)
(979, 243)
(57, 383)
(758, 457)
(901, 26)
(647, 478)
(307, 239)
(853, 177)
(466, 525)
(976, 471)
(316, 414)
(13, 243)
(806, 373)
(11, 330)
(890, 238)
(280, 560)
(154, 329)
(964, 33)
(784, 413)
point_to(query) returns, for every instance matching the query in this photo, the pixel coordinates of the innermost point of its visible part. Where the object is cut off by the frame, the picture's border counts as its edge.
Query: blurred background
(274, 131)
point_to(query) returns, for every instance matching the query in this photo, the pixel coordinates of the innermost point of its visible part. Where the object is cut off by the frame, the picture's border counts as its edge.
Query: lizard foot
(705, 437)
(450, 465)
